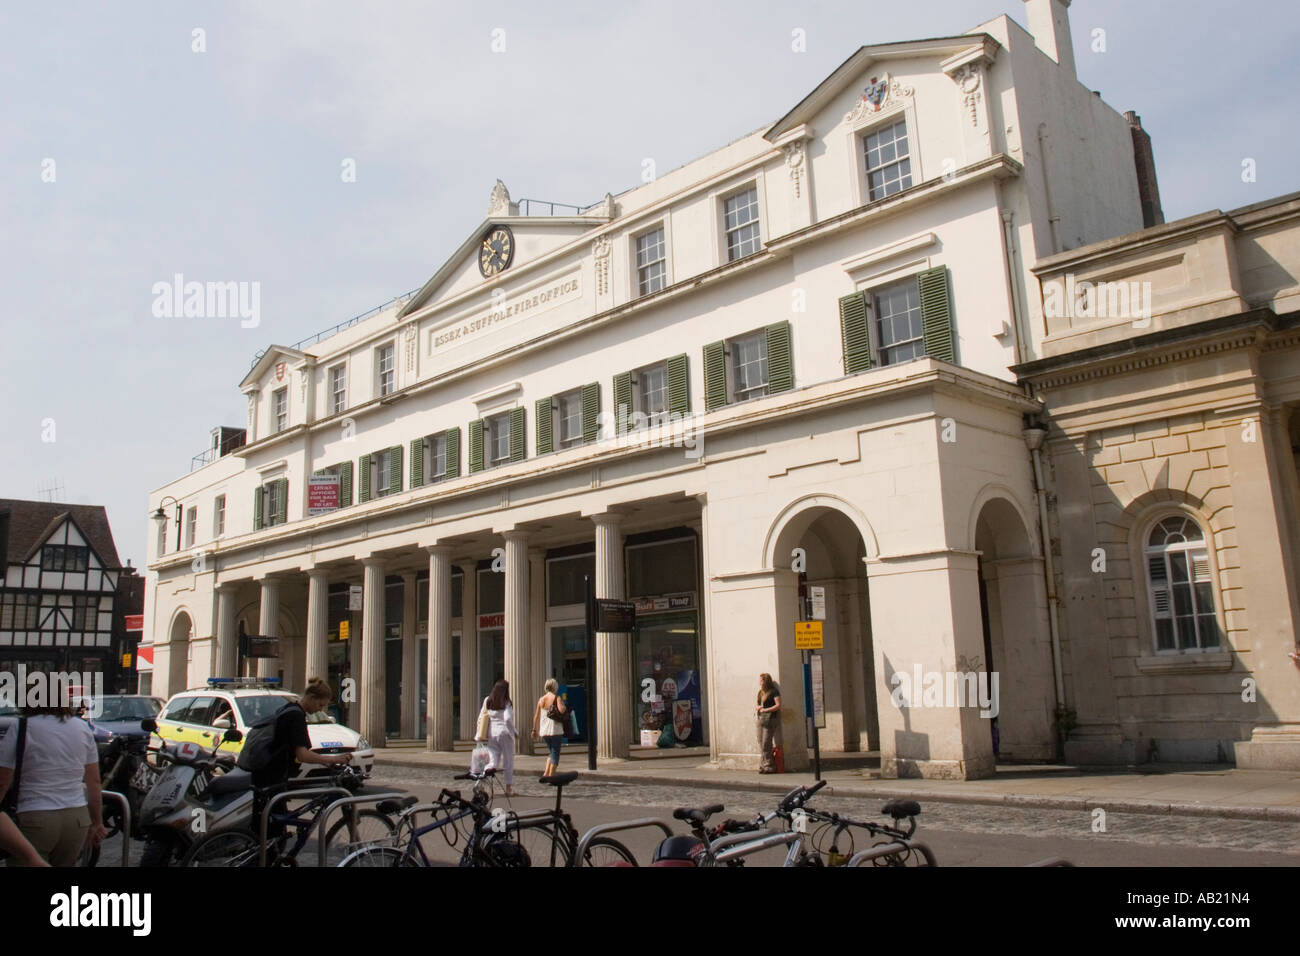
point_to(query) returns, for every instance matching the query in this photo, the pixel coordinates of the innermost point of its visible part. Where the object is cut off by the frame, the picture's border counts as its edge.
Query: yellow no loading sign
(808, 635)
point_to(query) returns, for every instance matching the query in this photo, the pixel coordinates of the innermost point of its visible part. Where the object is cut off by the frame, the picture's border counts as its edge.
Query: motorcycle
(198, 791)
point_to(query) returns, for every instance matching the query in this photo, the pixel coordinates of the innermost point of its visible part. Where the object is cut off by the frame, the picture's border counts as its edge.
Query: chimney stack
(1145, 162)
(1049, 22)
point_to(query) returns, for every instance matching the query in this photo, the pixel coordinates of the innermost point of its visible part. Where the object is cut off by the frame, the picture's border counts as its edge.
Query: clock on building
(496, 252)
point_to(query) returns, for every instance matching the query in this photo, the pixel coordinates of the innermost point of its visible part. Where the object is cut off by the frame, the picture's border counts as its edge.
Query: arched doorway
(178, 647)
(821, 541)
(1017, 642)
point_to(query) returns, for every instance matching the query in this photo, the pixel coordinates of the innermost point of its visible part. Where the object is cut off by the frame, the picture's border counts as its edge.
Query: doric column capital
(515, 535)
(608, 519)
(439, 551)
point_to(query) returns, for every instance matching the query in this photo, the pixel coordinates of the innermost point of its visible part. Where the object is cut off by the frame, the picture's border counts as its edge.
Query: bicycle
(242, 848)
(549, 835)
(897, 848)
(485, 846)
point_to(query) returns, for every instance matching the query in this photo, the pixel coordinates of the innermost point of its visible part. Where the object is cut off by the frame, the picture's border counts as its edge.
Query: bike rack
(351, 800)
(889, 849)
(600, 830)
(743, 844)
(284, 797)
(125, 804)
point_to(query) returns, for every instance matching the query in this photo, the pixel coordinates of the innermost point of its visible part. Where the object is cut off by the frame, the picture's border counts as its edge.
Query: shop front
(667, 659)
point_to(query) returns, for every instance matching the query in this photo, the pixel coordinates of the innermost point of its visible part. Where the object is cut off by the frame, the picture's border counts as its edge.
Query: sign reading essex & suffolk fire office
(507, 311)
(808, 635)
(322, 494)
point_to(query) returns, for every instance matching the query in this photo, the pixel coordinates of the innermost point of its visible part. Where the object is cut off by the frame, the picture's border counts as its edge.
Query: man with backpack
(277, 744)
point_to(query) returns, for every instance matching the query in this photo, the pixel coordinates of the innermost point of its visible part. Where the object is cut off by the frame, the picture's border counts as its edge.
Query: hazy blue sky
(225, 166)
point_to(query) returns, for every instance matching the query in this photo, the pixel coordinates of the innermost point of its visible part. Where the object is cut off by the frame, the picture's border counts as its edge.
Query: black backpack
(259, 751)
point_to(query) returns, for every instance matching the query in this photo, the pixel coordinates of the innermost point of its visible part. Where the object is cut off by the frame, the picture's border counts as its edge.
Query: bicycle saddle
(396, 806)
(560, 779)
(695, 815)
(901, 808)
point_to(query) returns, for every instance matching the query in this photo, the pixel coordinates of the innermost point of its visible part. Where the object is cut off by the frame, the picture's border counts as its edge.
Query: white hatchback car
(202, 715)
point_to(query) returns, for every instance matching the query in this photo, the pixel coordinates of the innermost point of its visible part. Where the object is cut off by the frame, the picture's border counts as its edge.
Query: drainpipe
(1009, 256)
(1034, 435)
(1053, 219)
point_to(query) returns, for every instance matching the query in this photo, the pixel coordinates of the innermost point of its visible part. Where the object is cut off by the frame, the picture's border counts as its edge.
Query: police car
(203, 715)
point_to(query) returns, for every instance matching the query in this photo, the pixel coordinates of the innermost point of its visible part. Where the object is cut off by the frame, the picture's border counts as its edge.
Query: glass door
(569, 668)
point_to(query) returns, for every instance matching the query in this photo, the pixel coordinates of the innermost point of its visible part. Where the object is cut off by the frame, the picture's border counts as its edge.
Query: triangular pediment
(268, 360)
(851, 70)
(534, 237)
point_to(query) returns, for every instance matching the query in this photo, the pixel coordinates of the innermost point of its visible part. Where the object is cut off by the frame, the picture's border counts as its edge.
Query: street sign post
(808, 638)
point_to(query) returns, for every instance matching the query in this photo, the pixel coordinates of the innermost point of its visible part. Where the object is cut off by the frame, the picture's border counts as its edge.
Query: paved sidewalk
(1189, 790)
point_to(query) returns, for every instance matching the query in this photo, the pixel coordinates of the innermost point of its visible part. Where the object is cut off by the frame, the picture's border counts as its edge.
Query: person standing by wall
(546, 727)
(502, 732)
(60, 806)
(768, 709)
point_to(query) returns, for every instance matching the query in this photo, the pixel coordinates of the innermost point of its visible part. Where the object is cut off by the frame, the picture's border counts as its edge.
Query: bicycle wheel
(234, 848)
(382, 856)
(371, 825)
(603, 851)
(540, 840)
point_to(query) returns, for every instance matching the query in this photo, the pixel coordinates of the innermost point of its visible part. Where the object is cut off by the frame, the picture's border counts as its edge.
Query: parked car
(201, 716)
(120, 715)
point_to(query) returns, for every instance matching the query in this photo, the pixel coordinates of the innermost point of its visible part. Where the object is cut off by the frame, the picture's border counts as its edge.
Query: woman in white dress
(502, 732)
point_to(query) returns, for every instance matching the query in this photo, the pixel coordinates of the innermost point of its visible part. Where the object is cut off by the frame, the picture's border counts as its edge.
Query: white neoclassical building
(786, 365)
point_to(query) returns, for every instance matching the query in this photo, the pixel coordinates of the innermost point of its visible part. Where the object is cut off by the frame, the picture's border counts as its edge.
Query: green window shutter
(282, 509)
(395, 470)
(715, 376)
(452, 436)
(623, 402)
(679, 389)
(363, 491)
(476, 445)
(417, 462)
(518, 451)
(780, 367)
(854, 334)
(591, 412)
(345, 484)
(257, 508)
(545, 427)
(936, 314)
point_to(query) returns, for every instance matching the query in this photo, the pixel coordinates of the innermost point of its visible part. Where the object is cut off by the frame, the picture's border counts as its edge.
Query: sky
(133, 148)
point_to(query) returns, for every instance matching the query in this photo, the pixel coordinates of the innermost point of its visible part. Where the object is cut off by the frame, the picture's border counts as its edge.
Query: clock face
(497, 250)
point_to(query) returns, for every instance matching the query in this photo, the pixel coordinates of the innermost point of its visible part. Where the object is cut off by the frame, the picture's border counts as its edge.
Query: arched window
(1180, 587)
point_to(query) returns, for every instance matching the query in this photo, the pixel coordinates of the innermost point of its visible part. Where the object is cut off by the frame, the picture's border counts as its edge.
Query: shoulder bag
(484, 729)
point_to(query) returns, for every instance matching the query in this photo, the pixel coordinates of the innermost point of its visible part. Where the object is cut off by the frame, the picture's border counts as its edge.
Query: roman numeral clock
(495, 254)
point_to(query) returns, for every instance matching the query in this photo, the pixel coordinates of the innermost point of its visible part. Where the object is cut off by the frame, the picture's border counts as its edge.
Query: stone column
(613, 654)
(925, 616)
(318, 657)
(439, 730)
(469, 700)
(227, 631)
(518, 648)
(269, 624)
(372, 687)
(410, 680)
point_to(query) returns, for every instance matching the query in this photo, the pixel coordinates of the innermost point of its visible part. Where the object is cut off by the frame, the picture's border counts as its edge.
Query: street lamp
(160, 518)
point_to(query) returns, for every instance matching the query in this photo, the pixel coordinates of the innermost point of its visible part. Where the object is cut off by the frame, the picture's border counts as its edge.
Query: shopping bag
(479, 758)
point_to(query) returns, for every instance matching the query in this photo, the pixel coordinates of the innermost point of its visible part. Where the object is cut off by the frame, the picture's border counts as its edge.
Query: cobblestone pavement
(1140, 828)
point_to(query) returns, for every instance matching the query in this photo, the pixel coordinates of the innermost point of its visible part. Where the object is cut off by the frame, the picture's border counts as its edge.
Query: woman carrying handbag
(549, 718)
